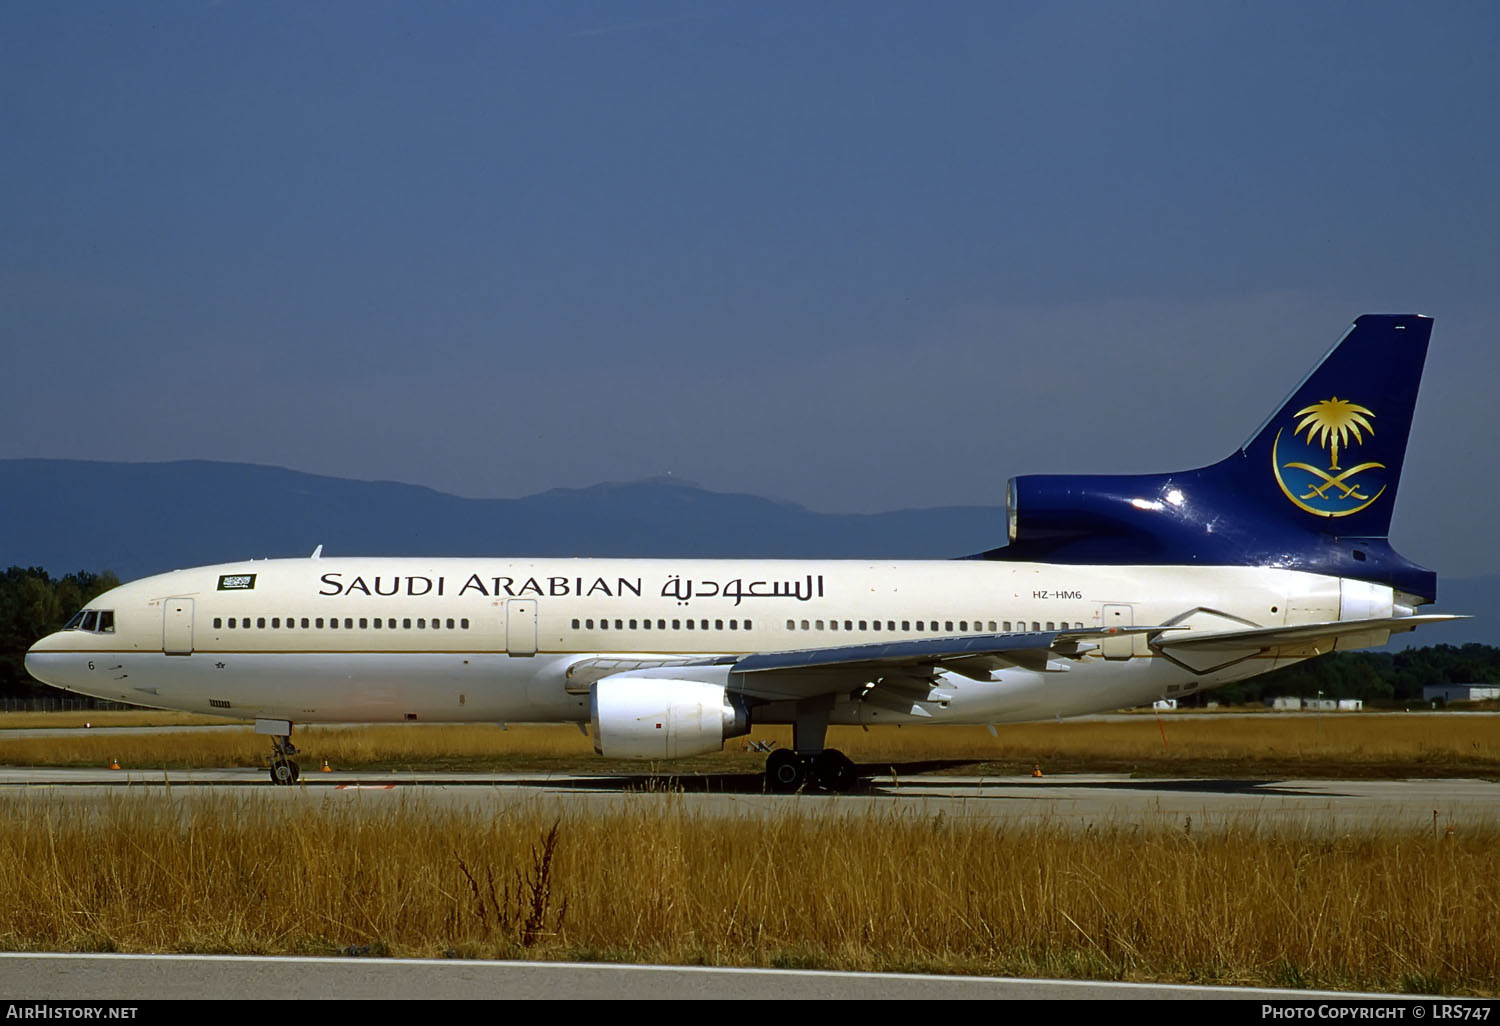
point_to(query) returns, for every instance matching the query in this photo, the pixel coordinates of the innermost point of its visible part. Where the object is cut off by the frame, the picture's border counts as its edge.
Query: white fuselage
(391, 639)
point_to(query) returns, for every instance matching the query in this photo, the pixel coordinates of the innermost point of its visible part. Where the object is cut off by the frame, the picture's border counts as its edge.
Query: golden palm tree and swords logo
(1330, 426)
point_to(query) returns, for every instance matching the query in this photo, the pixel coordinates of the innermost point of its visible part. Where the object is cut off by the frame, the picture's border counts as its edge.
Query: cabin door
(1118, 615)
(520, 627)
(177, 626)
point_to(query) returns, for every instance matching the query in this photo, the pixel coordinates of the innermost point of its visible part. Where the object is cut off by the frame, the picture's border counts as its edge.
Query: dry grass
(292, 873)
(1357, 745)
(109, 718)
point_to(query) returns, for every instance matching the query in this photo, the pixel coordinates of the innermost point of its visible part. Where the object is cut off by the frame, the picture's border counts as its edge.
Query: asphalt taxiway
(1075, 800)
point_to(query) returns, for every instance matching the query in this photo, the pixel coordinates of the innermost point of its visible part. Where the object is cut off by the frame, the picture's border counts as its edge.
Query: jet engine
(657, 718)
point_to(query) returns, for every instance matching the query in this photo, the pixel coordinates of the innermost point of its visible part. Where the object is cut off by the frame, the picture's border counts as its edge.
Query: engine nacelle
(656, 718)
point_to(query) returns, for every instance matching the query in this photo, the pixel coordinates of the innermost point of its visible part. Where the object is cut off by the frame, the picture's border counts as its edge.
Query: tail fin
(1313, 489)
(1334, 450)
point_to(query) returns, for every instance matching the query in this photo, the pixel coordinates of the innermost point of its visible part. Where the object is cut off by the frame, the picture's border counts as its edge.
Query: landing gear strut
(807, 762)
(283, 769)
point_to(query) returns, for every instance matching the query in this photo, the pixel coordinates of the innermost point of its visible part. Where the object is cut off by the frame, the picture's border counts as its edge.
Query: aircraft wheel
(834, 771)
(785, 771)
(283, 772)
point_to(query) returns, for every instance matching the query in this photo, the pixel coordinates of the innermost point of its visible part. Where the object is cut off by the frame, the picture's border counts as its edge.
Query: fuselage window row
(661, 625)
(332, 623)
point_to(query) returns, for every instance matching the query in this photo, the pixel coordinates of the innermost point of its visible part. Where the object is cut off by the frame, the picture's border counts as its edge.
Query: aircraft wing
(804, 673)
(1299, 634)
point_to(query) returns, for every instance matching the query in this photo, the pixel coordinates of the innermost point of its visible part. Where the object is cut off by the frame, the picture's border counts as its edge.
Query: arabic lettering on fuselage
(682, 589)
(685, 589)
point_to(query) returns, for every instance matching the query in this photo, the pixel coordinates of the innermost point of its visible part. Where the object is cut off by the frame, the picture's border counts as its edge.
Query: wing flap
(1257, 638)
(807, 672)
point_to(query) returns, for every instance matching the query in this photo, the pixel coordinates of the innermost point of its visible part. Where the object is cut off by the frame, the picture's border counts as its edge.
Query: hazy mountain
(143, 518)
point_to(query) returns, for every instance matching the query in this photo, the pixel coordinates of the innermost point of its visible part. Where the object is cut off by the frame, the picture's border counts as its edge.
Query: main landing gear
(807, 763)
(283, 768)
(828, 770)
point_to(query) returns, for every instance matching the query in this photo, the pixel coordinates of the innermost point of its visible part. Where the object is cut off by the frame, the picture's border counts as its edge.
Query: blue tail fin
(1335, 448)
(1313, 489)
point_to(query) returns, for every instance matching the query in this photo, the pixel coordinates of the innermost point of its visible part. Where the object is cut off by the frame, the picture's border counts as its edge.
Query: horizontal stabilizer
(1300, 634)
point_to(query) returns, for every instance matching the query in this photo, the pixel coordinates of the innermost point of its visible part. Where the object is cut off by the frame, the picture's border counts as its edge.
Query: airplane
(1112, 592)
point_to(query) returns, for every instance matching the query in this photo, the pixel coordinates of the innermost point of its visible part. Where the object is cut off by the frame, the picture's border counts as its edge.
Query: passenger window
(804, 625)
(218, 623)
(948, 625)
(747, 625)
(906, 625)
(319, 623)
(463, 624)
(348, 623)
(645, 625)
(422, 623)
(450, 623)
(689, 625)
(677, 625)
(818, 624)
(718, 625)
(863, 625)
(261, 622)
(589, 624)
(661, 625)
(848, 625)
(890, 625)
(619, 625)
(734, 625)
(791, 625)
(304, 623)
(876, 625)
(406, 623)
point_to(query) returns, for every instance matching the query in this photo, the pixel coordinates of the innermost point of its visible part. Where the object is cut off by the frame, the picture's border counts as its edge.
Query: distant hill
(144, 518)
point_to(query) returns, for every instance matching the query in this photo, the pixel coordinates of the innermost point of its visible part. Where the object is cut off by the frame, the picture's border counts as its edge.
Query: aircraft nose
(37, 657)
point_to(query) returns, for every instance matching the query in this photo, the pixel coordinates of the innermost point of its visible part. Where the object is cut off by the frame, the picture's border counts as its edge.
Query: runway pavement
(1079, 800)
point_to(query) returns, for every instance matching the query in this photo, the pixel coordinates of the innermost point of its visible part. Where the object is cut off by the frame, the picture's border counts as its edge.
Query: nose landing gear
(284, 769)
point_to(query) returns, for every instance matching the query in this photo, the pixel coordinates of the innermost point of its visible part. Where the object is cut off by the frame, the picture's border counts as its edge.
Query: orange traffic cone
(327, 768)
(114, 763)
(1036, 769)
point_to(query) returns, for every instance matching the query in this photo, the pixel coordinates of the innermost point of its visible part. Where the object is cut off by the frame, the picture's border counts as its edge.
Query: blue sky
(861, 256)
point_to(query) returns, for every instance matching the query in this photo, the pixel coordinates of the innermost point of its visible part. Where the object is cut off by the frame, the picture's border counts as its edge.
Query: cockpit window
(99, 621)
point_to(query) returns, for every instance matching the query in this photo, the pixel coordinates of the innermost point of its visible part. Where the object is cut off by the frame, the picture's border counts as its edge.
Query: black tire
(296, 770)
(834, 771)
(785, 771)
(283, 773)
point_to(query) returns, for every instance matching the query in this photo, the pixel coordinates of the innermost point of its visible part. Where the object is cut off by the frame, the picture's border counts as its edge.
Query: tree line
(33, 604)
